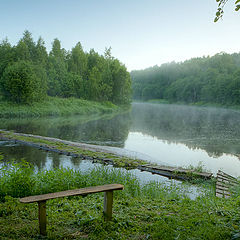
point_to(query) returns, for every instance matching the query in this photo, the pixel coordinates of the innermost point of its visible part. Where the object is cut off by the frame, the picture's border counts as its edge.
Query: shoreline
(197, 104)
(55, 106)
(102, 154)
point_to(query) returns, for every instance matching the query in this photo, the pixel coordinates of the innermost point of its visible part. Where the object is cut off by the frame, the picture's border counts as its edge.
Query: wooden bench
(41, 200)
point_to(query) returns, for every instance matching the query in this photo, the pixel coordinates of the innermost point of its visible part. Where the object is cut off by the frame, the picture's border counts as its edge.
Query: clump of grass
(16, 180)
(199, 168)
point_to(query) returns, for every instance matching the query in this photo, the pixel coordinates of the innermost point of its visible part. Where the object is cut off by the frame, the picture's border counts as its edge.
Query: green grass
(54, 106)
(148, 211)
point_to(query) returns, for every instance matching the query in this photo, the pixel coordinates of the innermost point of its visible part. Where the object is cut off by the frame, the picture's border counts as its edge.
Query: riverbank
(55, 106)
(200, 104)
(149, 211)
(103, 154)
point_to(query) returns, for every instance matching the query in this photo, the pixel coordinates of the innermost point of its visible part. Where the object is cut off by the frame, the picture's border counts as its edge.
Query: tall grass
(20, 179)
(16, 180)
(55, 106)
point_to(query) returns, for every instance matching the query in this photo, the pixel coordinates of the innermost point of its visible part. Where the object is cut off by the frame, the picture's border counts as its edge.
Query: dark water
(173, 134)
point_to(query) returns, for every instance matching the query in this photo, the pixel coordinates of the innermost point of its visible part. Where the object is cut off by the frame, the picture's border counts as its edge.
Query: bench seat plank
(75, 192)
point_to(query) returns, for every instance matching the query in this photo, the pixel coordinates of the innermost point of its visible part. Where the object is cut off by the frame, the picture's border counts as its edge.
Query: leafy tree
(57, 69)
(6, 55)
(106, 85)
(25, 49)
(21, 84)
(77, 62)
(72, 86)
(41, 55)
(121, 92)
(93, 84)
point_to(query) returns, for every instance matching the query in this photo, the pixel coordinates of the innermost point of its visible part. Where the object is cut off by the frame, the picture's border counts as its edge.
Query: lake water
(173, 135)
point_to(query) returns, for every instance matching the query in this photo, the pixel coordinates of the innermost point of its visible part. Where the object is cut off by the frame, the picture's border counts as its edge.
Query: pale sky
(142, 33)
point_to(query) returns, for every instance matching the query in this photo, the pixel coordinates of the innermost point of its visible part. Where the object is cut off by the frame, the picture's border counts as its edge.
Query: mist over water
(187, 135)
(173, 135)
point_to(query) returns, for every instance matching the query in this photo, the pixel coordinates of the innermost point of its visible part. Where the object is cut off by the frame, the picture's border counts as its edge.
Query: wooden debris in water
(224, 183)
(174, 172)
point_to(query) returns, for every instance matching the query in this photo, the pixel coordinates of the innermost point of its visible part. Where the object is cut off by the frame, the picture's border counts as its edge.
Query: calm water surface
(167, 134)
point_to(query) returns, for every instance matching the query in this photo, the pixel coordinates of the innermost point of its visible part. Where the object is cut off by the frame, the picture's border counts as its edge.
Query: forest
(213, 79)
(28, 73)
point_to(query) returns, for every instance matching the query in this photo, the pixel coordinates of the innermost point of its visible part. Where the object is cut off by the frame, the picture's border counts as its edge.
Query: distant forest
(29, 73)
(208, 79)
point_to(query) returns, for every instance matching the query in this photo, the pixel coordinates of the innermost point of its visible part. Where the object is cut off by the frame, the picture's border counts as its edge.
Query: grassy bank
(54, 106)
(150, 211)
(200, 104)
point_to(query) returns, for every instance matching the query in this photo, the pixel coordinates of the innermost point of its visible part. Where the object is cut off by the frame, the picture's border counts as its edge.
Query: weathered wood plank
(42, 217)
(219, 195)
(173, 172)
(227, 175)
(226, 179)
(223, 193)
(223, 184)
(108, 202)
(82, 191)
(177, 170)
(220, 187)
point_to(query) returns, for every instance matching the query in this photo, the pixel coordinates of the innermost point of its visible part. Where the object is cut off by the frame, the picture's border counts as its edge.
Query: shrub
(21, 83)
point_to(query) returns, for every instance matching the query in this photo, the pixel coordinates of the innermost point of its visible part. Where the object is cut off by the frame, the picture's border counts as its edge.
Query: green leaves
(221, 4)
(237, 7)
(219, 13)
(21, 84)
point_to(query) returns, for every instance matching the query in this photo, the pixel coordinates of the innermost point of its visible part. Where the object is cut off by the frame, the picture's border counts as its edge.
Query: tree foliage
(28, 72)
(21, 83)
(209, 79)
(221, 4)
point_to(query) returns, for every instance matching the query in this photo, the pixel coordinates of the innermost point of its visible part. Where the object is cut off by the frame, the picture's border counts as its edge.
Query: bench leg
(42, 217)
(108, 202)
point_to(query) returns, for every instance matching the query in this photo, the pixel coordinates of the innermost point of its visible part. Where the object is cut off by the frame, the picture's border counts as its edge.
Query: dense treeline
(209, 79)
(29, 73)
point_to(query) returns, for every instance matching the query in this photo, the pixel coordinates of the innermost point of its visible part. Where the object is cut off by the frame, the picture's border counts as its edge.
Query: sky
(141, 33)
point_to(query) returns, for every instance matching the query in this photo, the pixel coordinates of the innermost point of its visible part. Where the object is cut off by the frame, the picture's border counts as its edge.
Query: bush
(21, 84)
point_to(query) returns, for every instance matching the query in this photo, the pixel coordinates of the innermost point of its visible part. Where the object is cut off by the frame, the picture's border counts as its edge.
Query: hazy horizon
(141, 33)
